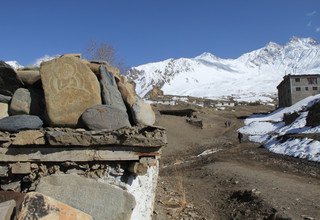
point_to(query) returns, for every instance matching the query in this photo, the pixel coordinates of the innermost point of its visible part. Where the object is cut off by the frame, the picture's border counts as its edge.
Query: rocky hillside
(251, 77)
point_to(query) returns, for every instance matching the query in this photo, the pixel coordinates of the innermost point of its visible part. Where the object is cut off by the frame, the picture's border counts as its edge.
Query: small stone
(20, 168)
(5, 99)
(29, 137)
(95, 167)
(142, 113)
(4, 110)
(26, 101)
(13, 186)
(6, 209)
(75, 171)
(4, 171)
(29, 77)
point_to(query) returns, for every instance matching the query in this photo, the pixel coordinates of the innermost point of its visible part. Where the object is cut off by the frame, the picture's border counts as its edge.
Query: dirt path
(240, 181)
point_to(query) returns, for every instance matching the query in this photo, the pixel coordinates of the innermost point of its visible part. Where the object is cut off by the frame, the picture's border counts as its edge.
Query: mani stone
(26, 101)
(95, 198)
(110, 93)
(9, 80)
(20, 122)
(70, 87)
(41, 207)
(3, 110)
(29, 77)
(142, 113)
(105, 117)
(6, 209)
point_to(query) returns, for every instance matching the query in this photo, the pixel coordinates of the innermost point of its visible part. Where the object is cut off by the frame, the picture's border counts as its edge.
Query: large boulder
(127, 91)
(20, 122)
(29, 77)
(110, 93)
(41, 207)
(143, 113)
(313, 117)
(105, 117)
(26, 101)
(9, 80)
(100, 200)
(70, 87)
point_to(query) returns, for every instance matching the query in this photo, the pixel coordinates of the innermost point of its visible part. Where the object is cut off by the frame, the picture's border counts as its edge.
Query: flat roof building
(294, 88)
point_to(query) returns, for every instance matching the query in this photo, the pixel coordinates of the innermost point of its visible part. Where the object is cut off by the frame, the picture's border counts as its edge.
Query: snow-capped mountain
(251, 77)
(14, 64)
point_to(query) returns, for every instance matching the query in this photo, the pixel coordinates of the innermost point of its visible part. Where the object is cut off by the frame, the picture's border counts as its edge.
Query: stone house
(294, 88)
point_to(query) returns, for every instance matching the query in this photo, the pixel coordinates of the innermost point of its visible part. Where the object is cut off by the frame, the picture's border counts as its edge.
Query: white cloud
(318, 29)
(310, 14)
(309, 24)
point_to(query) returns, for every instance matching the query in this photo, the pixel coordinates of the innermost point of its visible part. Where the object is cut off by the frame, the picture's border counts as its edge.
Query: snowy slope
(266, 129)
(251, 77)
(14, 64)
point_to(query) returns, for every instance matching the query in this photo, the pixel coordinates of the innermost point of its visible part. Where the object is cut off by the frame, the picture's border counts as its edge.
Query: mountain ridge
(252, 76)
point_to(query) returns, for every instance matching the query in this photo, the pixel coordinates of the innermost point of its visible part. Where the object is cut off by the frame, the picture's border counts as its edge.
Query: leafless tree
(104, 51)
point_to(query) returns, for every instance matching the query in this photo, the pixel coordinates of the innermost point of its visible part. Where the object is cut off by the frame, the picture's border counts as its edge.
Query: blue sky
(145, 31)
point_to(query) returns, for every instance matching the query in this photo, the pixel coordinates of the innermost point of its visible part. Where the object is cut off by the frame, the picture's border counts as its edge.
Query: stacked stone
(69, 92)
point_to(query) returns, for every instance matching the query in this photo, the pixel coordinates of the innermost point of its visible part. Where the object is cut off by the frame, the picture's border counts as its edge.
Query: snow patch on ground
(266, 128)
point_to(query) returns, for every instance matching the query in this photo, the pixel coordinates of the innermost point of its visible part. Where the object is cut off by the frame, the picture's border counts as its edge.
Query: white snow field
(265, 129)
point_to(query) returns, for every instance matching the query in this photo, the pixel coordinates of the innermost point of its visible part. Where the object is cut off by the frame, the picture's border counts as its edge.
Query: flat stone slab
(70, 87)
(100, 200)
(6, 209)
(37, 206)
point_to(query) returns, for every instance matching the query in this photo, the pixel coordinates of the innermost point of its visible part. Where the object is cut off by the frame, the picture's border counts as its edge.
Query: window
(312, 80)
(314, 88)
(298, 89)
(306, 88)
(297, 79)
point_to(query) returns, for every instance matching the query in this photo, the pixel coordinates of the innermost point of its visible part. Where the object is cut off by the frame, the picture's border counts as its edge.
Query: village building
(294, 88)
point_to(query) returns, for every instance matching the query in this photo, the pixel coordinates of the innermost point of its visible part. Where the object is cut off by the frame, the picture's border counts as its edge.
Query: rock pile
(64, 126)
(71, 92)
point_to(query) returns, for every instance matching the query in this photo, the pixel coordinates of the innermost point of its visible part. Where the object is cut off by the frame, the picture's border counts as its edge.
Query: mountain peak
(207, 56)
(308, 41)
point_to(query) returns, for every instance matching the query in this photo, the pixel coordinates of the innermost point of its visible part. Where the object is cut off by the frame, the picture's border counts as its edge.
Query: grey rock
(6, 209)
(20, 122)
(26, 101)
(13, 186)
(95, 198)
(5, 98)
(142, 113)
(9, 80)
(29, 77)
(109, 90)
(105, 117)
(4, 171)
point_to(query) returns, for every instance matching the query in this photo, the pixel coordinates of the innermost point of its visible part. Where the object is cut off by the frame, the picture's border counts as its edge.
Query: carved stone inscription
(70, 87)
